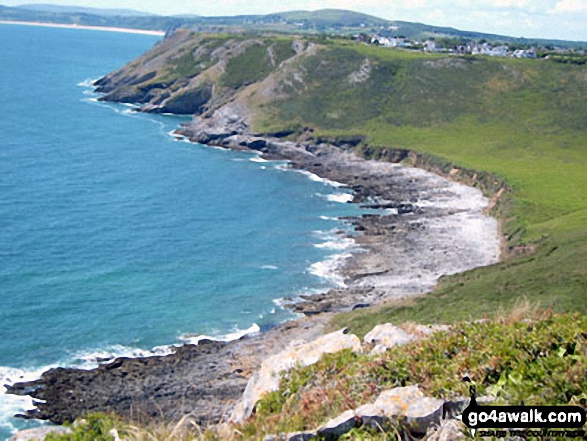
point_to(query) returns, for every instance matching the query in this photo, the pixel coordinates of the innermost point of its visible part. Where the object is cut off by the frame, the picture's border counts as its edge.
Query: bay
(115, 237)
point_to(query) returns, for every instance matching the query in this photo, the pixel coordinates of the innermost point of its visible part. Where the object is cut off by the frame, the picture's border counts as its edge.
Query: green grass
(255, 63)
(524, 121)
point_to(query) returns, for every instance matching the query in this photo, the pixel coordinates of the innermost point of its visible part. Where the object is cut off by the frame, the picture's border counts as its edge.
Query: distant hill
(331, 17)
(83, 10)
(325, 21)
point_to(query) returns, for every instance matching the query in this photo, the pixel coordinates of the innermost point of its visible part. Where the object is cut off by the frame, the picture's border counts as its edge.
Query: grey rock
(303, 354)
(387, 336)
(423, 413)
(340, 425)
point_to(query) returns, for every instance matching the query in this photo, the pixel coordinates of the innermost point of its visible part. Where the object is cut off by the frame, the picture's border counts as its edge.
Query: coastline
(84, 27)
(423, 227)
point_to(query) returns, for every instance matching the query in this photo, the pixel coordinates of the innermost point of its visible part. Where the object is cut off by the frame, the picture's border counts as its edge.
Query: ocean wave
(194, 339)
(89, 82)
(340, 197)
(329, 269)
(312, 176)
(334, 240)
(339, 244)
(92, 358)
(11, 405)
(329, 218)
(269, 267)
(317, 178)
(257, 159)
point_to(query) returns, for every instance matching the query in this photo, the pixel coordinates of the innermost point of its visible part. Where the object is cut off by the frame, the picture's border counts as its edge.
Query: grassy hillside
(524, 121)
(501, 357)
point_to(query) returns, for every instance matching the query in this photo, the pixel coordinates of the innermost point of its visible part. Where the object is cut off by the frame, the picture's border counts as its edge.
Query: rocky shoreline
(426, 226)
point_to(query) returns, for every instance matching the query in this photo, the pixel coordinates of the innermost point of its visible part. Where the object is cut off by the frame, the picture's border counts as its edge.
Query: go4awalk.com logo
(515, 420)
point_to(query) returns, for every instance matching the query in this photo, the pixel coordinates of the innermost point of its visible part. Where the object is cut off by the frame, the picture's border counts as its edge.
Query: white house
(498, 51)
(430, 46)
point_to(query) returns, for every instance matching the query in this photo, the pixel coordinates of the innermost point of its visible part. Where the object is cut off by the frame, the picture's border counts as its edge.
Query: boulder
(387, 336)
(422, 413)
(298, 354)
(406, 403)
(372, 416)
(340, 425)
(39, 433)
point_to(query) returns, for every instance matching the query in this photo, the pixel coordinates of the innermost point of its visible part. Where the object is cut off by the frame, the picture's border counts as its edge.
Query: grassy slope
(513, 361)
(522, 120)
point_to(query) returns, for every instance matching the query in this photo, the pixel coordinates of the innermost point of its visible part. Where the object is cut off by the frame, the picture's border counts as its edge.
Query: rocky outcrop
(293, 436)
(448, 430)
(405, 406)
(204, 380)
(192, 101)
(386, 336)
(267, 379)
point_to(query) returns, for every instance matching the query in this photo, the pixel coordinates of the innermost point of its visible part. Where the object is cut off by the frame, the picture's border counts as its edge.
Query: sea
(118, 238)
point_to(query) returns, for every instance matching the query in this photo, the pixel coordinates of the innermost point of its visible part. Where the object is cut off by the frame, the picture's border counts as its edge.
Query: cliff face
(188, 73)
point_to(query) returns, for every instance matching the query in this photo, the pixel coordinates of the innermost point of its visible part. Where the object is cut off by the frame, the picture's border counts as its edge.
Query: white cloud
(508, 3)
(415, 4)
(570, 6)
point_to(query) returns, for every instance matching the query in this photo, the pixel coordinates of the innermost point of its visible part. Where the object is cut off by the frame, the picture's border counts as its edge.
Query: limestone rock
(387, 336)
(397, 401)
(39, 433)
(408, 403)
(340, 425)
(422, 413)
(372, 416)
(301, 354)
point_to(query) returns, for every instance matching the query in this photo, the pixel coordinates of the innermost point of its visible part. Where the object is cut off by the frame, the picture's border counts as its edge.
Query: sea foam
(194, 339)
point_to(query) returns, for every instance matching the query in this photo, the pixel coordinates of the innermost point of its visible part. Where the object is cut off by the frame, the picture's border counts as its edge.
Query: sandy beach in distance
(91, 28)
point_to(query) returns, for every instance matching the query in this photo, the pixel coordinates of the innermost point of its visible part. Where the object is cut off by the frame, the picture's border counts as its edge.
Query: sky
(553, 19)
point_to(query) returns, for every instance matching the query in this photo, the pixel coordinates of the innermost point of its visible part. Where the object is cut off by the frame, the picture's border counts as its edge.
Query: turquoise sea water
(115, 237)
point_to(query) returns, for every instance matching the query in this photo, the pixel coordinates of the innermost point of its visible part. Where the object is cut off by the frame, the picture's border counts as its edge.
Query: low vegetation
(256, 63)
(531, 356)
